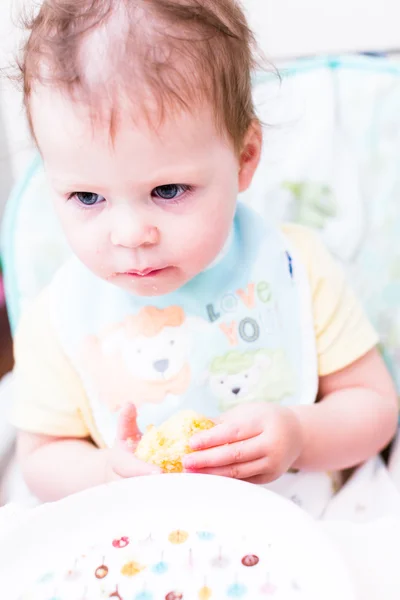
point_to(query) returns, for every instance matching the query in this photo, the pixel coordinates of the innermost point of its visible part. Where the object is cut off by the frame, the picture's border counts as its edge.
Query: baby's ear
(113, 342)
(250, 155)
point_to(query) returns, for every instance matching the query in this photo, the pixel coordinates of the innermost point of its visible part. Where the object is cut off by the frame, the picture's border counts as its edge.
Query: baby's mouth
(144, 273)
(151, 275)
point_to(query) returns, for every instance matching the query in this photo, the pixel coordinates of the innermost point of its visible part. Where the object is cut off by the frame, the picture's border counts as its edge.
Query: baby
(179, 297)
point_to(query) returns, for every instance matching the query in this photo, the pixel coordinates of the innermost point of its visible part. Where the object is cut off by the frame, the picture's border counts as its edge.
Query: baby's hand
(121, 461)
(254, 442)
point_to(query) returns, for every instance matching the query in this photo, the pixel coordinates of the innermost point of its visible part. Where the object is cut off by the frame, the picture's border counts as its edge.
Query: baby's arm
(57, 467)
(355, 418)
(357, 412)
(55, 451)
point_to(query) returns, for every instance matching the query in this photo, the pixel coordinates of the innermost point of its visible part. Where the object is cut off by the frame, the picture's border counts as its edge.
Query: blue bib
(241, 331)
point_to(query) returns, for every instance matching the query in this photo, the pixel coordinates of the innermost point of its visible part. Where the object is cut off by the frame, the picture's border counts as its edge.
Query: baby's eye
(88, 198)
(171, 191)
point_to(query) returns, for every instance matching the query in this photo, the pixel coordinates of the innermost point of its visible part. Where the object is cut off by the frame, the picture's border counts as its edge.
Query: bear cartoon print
(251, 376)
(141, 360)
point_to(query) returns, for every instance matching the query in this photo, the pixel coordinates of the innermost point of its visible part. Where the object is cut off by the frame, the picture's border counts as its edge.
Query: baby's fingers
(128, 431)
(245, 471)
(229, 454)
(225, 433)
(126, 465)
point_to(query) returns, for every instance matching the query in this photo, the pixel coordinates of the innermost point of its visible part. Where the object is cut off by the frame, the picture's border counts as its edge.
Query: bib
(241, 331)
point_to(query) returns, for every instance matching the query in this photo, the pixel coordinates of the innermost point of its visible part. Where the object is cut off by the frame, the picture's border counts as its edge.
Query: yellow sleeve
(343, 332)
(48, 392)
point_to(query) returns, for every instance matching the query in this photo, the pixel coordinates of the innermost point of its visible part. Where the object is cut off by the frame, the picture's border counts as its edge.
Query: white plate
(53, 533)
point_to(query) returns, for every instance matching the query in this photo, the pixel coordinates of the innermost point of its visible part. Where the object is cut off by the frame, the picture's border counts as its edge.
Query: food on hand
(166, 445)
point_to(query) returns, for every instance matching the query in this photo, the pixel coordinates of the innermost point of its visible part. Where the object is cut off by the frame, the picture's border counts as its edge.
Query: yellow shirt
(50, 398)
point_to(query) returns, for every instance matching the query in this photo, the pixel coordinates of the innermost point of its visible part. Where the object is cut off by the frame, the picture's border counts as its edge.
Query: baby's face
(148, 210)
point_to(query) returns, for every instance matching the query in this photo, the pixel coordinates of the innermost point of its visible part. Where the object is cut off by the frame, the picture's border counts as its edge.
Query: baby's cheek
(201, 254)
(91, 255)
(205, 240)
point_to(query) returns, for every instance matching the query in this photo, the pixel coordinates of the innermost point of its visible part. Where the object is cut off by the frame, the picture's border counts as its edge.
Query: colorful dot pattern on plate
(173, 564)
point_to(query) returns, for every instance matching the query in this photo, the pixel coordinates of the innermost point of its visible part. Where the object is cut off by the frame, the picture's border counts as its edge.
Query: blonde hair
(172, 54)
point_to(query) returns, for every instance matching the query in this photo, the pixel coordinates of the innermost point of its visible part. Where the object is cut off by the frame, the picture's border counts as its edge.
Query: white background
(285, 29)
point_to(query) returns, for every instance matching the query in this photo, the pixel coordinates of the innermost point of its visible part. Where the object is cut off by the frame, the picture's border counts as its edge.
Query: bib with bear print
(241, 331)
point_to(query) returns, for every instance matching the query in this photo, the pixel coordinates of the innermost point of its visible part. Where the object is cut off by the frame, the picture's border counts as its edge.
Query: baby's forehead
(57, 114)
(77, 149)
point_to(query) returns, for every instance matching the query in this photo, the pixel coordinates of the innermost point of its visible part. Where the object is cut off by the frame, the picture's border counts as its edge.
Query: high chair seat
(331, 162)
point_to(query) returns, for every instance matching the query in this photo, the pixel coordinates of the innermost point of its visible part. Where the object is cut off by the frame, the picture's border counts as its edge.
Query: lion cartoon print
(140, 360)
(253, 376)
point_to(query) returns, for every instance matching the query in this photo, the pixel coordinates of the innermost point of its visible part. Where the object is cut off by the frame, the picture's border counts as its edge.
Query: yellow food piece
(166, 445)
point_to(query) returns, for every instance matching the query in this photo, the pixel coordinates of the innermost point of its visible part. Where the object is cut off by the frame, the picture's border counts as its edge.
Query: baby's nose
(131, 230)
